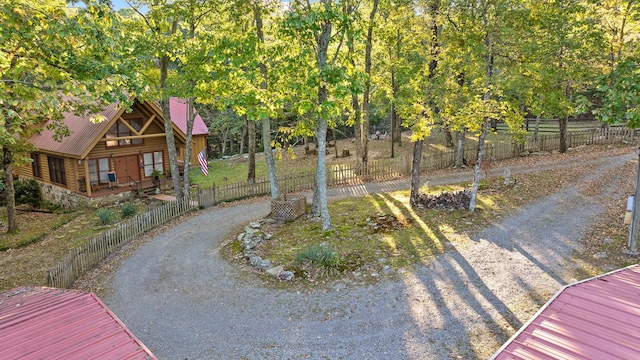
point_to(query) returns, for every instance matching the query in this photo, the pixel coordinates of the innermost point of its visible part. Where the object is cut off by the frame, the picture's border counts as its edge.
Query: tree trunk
(225, 136)
(10, 195)
(459, 149)
(268, 156)
(266, 121)
(367, 86)
(448, 139)
(536, 129)
(417, 147)
(335, 141)
(191, 117)
(489, 59)
(478, 167)
(243, 136)
(321, 168)
(393, 129)
(251, 175)
(415, 173)
(395, 89)
(168, 125)
(321, 203)
(359, 134)
(306, 144)
(563, 133)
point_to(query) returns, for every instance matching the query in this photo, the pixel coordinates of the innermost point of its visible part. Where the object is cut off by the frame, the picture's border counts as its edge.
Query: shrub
(105, 216)
(323, 258)
(128, 210)
(28, 192)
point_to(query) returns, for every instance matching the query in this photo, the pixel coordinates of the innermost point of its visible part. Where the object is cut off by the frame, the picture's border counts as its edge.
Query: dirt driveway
(185, 302)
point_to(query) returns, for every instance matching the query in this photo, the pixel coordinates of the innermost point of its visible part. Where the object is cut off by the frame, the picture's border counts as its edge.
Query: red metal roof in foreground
(47, 323)
(598, 318)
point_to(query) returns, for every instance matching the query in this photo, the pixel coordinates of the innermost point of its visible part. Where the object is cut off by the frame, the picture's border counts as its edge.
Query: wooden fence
(385, 169)
(552, 126)
(86, 256)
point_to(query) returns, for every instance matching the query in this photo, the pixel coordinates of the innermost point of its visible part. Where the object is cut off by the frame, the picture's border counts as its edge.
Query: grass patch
(381, 233)
(34, 230)
(235, 169)
(42, 241)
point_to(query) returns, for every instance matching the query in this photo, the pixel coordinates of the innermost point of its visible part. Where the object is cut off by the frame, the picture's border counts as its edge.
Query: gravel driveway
(185, 302)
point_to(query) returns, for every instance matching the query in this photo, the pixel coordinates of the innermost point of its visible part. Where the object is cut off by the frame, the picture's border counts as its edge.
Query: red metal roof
(598, 318)
(47, 323)
(83, 133)
(178, 109)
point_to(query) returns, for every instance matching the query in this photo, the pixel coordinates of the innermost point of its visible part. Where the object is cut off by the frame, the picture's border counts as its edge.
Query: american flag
(202, 159)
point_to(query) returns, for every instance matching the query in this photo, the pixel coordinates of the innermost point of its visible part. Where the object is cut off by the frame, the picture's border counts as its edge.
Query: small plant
(105, 216)
(323, 258)
(156, 174)
(128, 210)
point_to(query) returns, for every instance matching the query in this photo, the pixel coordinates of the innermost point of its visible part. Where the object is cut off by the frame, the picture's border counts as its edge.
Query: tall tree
(52, 60)
(321, 28)
(617, 89)
(424, 110)
(565, 42)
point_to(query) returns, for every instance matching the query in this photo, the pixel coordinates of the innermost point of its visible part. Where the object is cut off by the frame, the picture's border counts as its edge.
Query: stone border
(250, 238)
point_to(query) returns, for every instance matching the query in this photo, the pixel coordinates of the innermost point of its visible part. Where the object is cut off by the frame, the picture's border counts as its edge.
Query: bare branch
(142, 15)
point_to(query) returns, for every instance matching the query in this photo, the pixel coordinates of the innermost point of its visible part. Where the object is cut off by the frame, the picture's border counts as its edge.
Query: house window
(35, 165)
(152, 161)
(119, 129)
(98, 169)
(56, 170)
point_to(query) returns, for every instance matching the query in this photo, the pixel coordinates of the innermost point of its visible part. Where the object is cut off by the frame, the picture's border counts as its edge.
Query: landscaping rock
(241, 236)
(286, 276)
(249, 244)
(254, 224)
(255, 261)
(250, 230)
(387, 270)
(600, 255)
(275, 271)
(265, 264)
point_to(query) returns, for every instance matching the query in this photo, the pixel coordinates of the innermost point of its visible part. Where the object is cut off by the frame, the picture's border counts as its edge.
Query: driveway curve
(184, 301)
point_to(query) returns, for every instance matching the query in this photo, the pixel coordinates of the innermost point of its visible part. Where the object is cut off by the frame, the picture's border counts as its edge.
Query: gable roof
(39, 323)
(593, 319)
(178, 108)
(85, 134)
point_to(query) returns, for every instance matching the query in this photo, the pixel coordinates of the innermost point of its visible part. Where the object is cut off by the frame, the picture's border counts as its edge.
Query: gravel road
(185, 302)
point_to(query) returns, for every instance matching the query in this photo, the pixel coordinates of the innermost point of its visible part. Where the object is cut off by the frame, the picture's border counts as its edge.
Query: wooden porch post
(87, 179)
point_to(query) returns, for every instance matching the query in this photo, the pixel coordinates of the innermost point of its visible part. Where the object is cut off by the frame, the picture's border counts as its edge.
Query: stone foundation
(69, 200)
(66, 198)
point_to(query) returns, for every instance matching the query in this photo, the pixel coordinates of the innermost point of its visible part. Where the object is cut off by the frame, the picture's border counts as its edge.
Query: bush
(128, 210)
(105, 216)
(28, 192)
(323, 258)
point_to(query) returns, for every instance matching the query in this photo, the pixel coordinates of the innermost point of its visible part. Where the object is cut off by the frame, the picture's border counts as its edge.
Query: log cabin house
(115, 156)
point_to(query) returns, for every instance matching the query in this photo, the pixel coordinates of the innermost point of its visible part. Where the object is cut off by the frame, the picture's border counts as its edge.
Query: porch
(126, 184)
